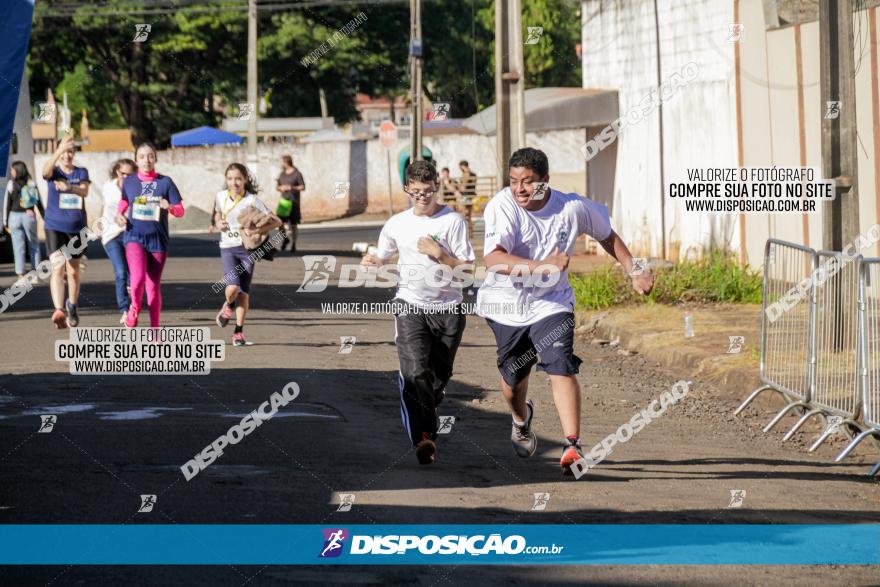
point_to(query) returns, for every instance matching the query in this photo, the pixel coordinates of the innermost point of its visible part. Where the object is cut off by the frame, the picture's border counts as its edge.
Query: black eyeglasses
(419, 194)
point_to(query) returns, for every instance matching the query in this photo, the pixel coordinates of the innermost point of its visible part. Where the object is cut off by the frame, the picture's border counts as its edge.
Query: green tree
(164, 84)
(551, 61)
(85, 90)
(458, 48)
(361, 61)
(193, 61)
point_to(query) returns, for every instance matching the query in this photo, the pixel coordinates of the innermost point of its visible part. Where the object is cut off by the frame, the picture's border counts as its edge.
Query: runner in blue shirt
(65, 218)
(147, 199)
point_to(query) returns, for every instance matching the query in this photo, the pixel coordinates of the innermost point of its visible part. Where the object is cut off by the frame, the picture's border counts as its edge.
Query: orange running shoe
(571, 453)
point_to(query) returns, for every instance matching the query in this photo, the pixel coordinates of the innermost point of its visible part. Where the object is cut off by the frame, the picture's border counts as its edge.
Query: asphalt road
(117, 437)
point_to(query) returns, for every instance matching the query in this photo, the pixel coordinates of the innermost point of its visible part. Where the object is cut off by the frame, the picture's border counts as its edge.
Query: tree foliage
(193, 63)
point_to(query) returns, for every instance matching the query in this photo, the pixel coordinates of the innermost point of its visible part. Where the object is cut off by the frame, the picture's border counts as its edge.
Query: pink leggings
(144, 267)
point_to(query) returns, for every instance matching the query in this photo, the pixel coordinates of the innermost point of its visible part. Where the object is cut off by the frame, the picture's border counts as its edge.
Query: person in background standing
(448, 186)
(468, 181)
(111, 194)
(65, 218)
(19, 218)
(291, 185)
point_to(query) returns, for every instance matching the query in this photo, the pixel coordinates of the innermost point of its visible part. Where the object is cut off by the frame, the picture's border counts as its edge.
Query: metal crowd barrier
(787, 340)
(836, 380)
(869, 355)
(820, 348)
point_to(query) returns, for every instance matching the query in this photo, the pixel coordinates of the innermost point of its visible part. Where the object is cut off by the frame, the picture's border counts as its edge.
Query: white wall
(619, 48)
(700, 124)
(198, 172)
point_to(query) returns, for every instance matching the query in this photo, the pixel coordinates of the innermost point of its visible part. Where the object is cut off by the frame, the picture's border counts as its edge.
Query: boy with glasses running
(530, 229)
(431, 240)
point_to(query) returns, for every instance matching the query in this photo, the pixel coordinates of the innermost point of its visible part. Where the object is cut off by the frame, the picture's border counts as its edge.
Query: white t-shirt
(110, 196)
(534, 235)
(421, 280)
(229, 210)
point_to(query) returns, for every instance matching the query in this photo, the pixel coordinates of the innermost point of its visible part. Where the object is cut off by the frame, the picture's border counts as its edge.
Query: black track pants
(426, 344)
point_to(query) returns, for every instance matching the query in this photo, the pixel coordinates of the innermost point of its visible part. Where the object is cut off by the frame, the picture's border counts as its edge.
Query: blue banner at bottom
(620, 544)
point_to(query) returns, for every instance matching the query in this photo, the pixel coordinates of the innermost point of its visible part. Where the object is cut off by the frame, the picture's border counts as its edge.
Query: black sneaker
(72, 316)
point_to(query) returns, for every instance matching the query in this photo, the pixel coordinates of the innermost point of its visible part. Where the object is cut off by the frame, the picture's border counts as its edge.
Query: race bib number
(70, 202)
(231, 237)
(147, 212)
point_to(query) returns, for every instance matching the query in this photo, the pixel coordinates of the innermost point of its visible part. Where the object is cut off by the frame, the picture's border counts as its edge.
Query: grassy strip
(716, 278)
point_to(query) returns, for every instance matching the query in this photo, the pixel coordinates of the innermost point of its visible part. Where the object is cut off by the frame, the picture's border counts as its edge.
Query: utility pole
(415, 68)
(840, 223)
(660, 137)
(510, 114)
(252, 86)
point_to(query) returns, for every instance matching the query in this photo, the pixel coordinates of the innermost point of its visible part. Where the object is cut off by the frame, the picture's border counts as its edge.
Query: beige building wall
(779, 88)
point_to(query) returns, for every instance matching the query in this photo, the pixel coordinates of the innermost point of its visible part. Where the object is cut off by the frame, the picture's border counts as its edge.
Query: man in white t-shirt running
(531, 231)
(431, 241)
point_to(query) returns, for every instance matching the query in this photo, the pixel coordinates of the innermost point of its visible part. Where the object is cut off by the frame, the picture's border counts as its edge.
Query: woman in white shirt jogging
(431, 240)
(532, 229)
(111, 238)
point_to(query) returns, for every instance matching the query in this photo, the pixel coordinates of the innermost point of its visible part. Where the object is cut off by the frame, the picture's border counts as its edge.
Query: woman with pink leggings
(147, 199)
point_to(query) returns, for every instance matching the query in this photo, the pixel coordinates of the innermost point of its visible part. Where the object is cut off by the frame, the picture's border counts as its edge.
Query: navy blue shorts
(238, 268)
(548, 342)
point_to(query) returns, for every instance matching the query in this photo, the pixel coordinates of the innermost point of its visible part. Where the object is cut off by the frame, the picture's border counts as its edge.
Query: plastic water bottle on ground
(688, 325)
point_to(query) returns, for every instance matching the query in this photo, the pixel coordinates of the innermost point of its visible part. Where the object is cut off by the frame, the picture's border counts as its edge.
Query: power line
(165, 7)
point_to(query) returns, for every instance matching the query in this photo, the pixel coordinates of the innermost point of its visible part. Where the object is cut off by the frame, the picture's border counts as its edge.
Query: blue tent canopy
(204, 136)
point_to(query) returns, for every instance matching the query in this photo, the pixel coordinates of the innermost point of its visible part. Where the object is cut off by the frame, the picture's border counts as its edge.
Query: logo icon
(47, 423)
(541, 501)
(540, 191)
(832, 109)
(141, 32)
(340, 190)
(640, 264)
(534, 35)
(734, 32)
(832, 424)
(334, 538)
(441, 110)
(45, 112)
(147, 503)
(563, 236)
(346, 344)
(446, 423)
(737, 343)
(318, 270)
(245, 110)
(737, 497)
(346, 500)
(148, 189)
